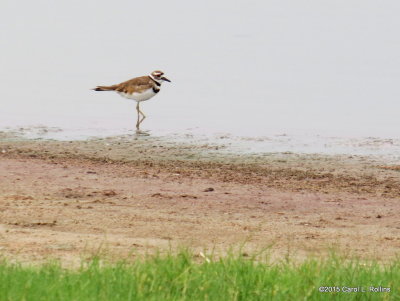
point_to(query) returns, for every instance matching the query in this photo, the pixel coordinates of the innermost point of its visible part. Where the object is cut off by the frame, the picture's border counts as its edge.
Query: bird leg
(139, 121)
(138, 116)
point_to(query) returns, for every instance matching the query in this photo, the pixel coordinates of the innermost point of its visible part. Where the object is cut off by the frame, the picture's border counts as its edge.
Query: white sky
(244, 67)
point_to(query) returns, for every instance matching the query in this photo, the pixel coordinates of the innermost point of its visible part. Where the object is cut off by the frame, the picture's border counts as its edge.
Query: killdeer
(139, 89)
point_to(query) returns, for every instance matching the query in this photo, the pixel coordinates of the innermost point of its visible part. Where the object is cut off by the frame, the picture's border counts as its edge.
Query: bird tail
(104, 88)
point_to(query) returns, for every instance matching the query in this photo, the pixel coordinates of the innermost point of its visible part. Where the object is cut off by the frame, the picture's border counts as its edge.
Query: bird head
(159, 76)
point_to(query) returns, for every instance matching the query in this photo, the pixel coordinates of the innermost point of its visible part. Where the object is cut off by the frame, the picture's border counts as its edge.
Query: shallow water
(302, 76)
(383, 150)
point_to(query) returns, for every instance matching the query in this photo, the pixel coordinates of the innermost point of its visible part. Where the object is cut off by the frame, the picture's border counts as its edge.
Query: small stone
(109, 193)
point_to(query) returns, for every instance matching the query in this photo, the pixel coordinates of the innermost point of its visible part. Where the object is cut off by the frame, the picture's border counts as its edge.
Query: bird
(138, 89)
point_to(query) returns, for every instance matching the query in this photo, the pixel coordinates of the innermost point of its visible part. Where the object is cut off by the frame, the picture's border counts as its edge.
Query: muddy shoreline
(289, 171)
(61, 199)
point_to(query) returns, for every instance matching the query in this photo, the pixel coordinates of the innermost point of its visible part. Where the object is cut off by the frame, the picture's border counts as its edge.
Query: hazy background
(241, 67)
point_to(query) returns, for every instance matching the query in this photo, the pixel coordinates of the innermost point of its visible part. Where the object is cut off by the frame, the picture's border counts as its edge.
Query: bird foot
(142, 133)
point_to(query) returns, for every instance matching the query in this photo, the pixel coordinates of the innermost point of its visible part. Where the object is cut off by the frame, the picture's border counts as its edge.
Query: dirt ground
(121, 195)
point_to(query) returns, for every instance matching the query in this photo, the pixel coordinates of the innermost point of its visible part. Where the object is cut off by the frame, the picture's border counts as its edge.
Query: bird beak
(166, 79)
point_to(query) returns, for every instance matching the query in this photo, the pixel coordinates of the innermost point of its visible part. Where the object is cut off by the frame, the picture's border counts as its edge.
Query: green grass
(183, 277)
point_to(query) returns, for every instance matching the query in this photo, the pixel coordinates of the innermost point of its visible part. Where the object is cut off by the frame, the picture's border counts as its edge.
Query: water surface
(253, 69)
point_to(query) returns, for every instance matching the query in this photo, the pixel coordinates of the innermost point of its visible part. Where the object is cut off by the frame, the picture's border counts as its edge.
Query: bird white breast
(145, 95)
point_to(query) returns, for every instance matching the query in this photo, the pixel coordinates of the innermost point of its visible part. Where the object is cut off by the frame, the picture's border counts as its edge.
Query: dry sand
(68, 199)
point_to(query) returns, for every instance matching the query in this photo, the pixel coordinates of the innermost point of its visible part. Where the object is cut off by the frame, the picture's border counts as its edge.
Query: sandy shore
(65, 199)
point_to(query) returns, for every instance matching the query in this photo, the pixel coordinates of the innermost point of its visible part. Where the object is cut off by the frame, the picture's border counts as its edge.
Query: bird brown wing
(138, 84)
